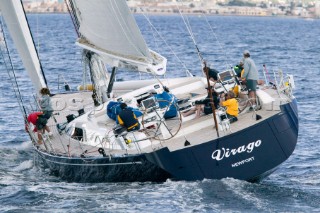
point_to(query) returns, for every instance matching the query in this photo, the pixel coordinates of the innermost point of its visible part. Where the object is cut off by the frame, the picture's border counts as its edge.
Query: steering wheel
(156, 125)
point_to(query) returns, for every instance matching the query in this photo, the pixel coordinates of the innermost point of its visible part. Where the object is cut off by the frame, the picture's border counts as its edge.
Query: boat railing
(283, 84)
(32, 135)
(103, 144)
(75, 145)
(45, 140)
(135, 142)
(124, 140)
(48, 143)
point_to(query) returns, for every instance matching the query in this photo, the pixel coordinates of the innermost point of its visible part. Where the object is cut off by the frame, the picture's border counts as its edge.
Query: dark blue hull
(124, 169)
(250, 154)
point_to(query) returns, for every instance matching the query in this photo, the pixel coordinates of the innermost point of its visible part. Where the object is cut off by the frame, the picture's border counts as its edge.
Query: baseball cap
(246, 52)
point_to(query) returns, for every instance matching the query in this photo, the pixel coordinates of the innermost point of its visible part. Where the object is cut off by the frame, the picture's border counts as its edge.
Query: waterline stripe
(104, 164)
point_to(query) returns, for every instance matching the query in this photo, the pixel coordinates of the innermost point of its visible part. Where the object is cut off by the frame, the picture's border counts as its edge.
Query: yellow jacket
(232, 106)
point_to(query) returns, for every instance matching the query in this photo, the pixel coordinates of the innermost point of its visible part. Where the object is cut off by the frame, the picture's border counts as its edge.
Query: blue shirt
(113, 110)
(167, 99)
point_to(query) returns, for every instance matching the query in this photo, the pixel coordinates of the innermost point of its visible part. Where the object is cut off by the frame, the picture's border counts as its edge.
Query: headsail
(109, 29)
(14, 16)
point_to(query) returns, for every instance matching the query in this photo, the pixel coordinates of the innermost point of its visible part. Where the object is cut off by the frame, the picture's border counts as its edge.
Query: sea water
(291, 45)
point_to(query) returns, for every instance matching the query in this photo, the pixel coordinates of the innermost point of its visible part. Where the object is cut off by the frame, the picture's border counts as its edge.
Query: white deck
(196, 131)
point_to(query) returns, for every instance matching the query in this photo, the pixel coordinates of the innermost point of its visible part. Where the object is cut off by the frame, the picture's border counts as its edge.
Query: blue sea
(291, 45)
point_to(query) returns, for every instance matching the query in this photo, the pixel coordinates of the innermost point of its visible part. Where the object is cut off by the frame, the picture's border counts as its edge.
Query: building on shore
(49, 6)
(214, 7)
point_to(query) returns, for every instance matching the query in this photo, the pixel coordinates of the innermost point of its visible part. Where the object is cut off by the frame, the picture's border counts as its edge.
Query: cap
(123, 105)
(246, 52)
(152, 91)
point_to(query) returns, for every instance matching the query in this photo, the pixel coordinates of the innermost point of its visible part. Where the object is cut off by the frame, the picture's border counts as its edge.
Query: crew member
(127, 118)
(250, 76)
(239, 69)
(39, 123)
(228, 100)
(167, 99)
(212, 73)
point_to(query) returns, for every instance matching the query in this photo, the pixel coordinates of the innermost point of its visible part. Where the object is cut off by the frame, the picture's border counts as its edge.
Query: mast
(99, 77)
(16, 22)
(211, 99)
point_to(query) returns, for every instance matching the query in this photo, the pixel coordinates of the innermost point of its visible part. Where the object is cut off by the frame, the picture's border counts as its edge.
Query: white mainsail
(14, 16)
(109, 29)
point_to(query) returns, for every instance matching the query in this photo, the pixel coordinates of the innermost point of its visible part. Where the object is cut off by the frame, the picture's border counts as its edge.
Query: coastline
(195, 14)
(193, 7)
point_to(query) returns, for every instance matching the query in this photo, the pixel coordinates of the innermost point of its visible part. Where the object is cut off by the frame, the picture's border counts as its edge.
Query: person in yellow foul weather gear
(127, 118)
(228, 101)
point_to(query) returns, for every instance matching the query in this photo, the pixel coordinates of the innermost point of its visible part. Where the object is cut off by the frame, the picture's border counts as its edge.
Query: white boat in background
(88, 146)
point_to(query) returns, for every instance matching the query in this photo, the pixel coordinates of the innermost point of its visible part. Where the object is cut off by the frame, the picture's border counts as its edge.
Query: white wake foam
(23, 166)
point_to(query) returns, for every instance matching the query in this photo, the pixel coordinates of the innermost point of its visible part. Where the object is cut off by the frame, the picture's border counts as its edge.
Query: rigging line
(222, 49)
(156, 43)
(156, 77)
(14, 83)
(72, 12)
(41, 69)
(75, 10)
(21, 106)
(153, 27)
(192, 36)
(129, 38)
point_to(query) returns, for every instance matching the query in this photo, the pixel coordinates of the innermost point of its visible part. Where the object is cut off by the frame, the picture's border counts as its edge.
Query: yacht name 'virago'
(219, 154)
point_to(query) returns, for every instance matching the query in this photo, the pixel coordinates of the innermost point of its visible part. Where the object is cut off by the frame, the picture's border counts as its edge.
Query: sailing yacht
(88, 144)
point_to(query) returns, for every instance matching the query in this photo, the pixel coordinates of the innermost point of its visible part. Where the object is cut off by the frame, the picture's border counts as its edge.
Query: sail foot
(154, 65)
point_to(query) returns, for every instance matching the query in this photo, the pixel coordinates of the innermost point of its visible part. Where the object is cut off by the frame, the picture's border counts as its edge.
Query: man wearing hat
(250, 77)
